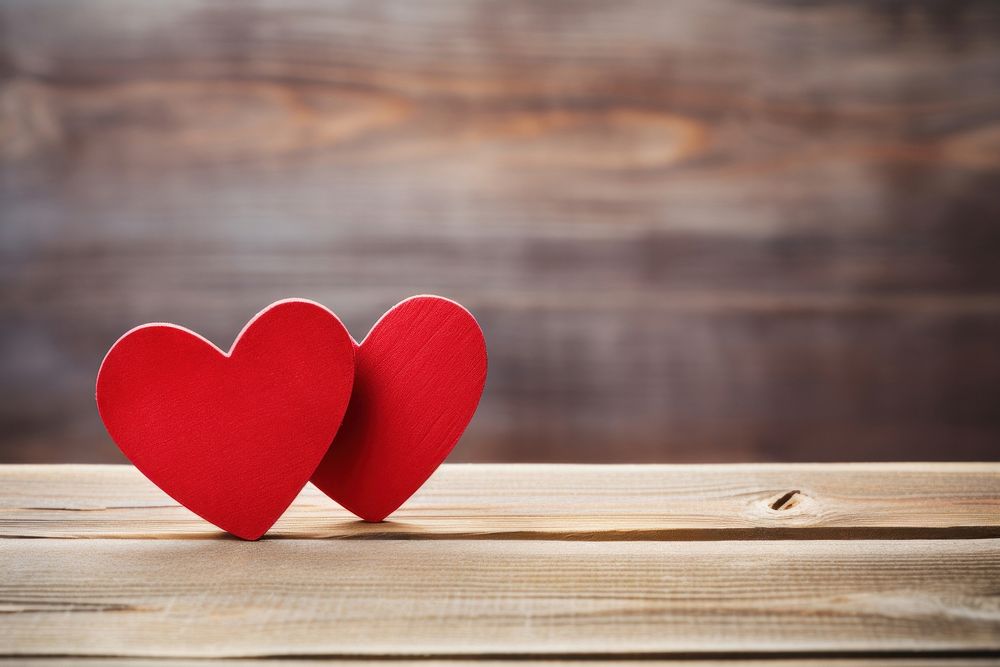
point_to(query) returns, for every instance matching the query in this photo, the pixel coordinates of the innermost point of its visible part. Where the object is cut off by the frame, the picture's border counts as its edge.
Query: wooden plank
(632, 383)
(733, 230)
(553, 502)
(226, 598)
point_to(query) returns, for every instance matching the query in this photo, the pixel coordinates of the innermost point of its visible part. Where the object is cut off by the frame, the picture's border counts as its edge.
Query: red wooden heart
(420, 373)
(233, 437)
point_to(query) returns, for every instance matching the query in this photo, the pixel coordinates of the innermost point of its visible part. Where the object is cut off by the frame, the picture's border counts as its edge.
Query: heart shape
(419, 376)
(231, 436)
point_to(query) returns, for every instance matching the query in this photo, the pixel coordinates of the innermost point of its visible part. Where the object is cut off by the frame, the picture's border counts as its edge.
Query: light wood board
(582, 502)
(866, 562)
(227, 598)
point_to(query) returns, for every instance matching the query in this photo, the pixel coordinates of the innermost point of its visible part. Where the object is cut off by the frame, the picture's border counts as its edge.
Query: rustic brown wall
(693, 230)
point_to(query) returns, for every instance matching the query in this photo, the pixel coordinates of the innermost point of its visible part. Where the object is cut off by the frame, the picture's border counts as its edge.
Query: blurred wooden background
(696, 230)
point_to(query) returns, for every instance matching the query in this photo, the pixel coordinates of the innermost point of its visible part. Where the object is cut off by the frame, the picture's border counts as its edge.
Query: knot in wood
(787, 501)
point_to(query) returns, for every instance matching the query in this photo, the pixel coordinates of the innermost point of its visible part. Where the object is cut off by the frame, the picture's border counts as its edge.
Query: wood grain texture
(692, 231)
(546, 502)
(223, 598)
(607, 582)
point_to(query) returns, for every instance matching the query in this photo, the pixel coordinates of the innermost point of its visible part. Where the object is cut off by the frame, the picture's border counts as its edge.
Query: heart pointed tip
(249, 536)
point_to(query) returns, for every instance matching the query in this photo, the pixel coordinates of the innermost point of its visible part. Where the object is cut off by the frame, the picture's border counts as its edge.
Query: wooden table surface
(817, 564)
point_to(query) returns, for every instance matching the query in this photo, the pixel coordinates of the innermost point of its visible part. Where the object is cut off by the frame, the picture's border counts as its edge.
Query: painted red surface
(420, 373)
(233, 437)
